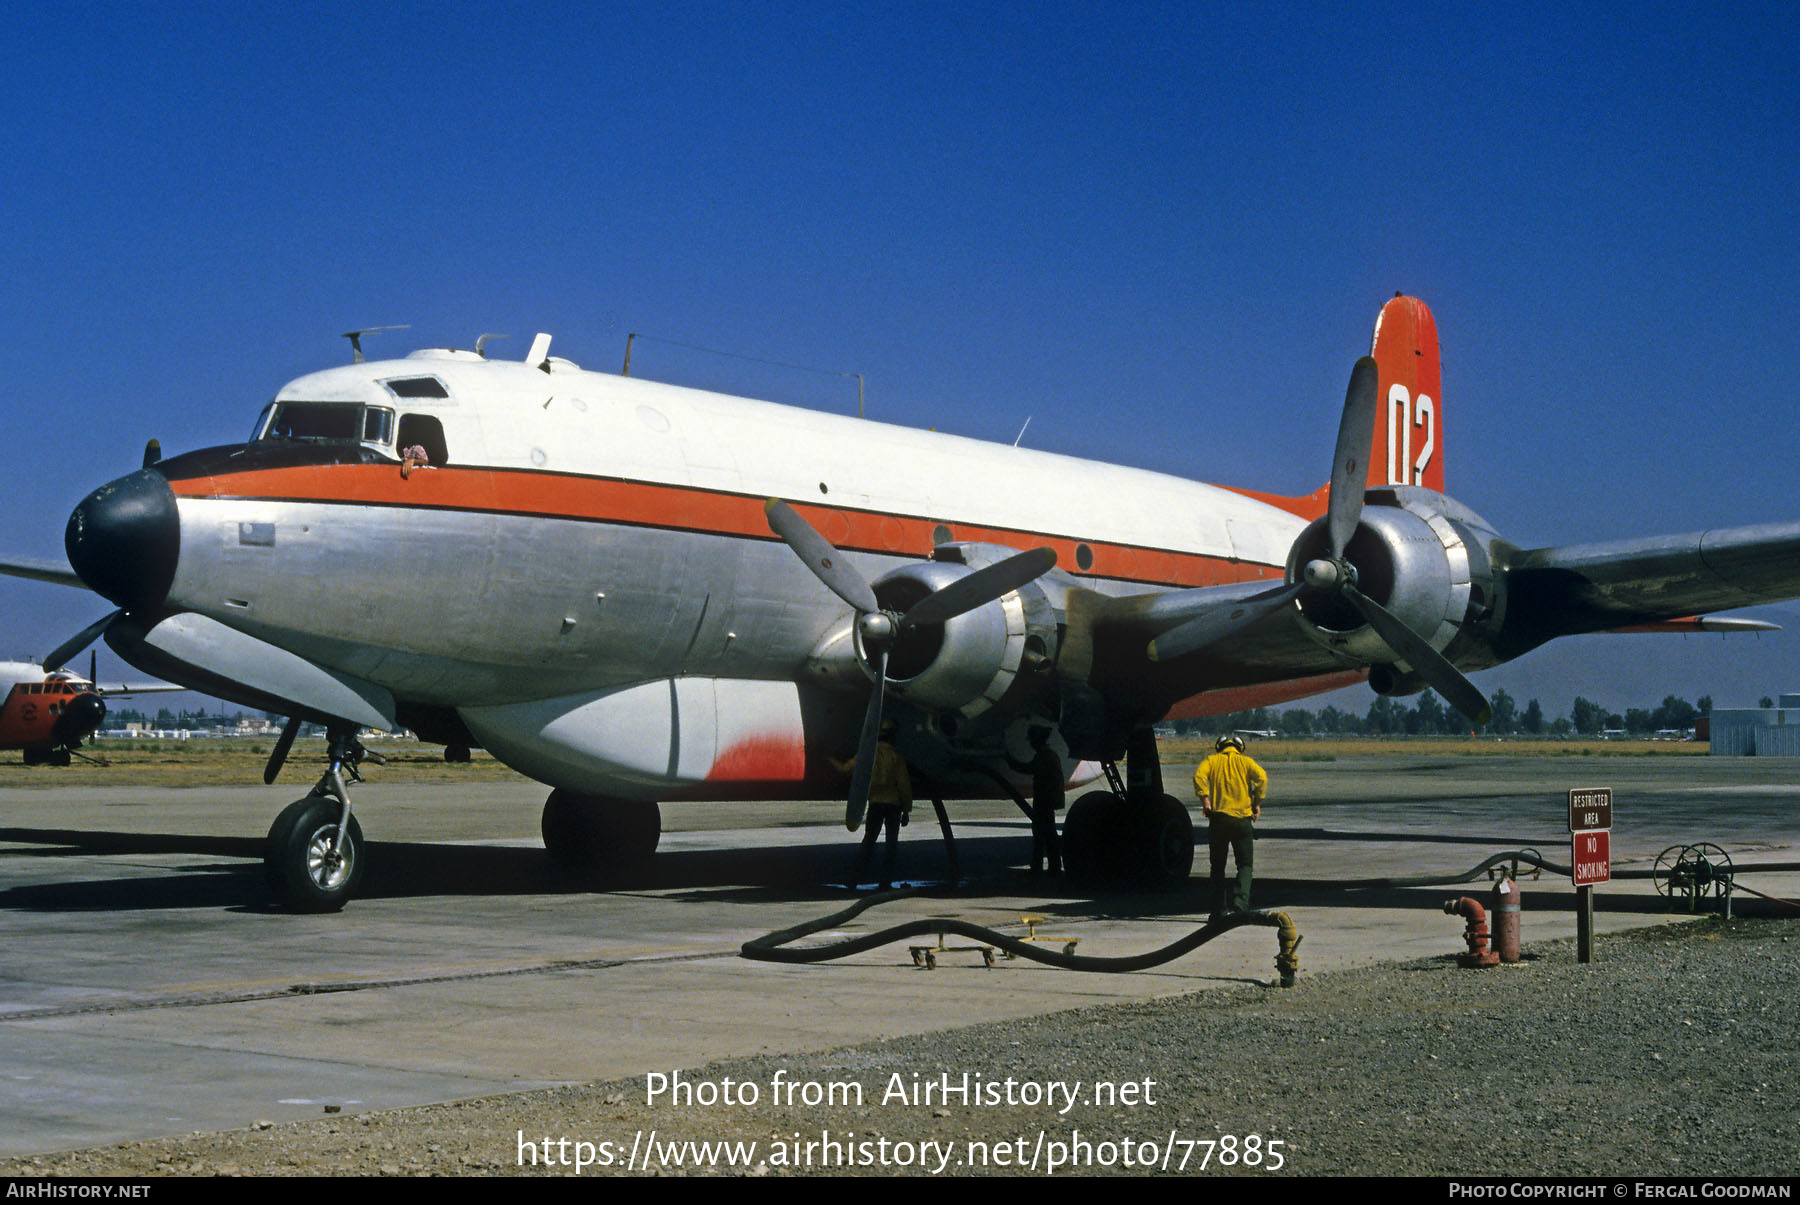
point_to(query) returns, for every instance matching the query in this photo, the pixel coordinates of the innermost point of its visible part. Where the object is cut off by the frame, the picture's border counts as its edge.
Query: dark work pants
(1235, 835)
(881, 815)
(1045, 844)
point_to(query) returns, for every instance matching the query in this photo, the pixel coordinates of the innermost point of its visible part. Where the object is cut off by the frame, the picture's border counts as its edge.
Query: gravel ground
(1676, 1054)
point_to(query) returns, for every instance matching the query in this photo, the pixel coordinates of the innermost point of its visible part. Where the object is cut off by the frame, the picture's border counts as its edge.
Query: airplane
(48, 713)
(634, 592)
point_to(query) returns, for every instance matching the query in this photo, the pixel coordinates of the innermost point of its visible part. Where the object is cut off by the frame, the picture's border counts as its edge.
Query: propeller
(1334, 573)
(880, 630)
(60, 655)
(279, 757)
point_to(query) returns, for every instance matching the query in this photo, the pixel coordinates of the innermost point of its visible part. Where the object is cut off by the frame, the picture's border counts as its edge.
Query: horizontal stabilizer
(1700, 623)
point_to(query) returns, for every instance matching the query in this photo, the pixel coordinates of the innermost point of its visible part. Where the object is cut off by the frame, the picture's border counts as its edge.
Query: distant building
(1758, 731)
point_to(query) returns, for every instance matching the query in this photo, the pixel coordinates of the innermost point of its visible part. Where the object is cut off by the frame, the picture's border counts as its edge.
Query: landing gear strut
(314, 856)
(1133, 835)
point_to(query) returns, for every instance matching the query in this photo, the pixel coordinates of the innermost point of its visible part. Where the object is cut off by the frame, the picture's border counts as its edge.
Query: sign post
(1590, 858)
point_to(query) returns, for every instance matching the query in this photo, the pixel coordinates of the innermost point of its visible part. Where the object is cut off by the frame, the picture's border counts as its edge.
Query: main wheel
(1119, 843)
(1162, 846)
(1090, 839)
(591, 834)
(308, 868)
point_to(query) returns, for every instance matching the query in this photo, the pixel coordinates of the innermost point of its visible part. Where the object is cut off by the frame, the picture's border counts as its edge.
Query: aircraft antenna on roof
(355, 337)
(481, 344)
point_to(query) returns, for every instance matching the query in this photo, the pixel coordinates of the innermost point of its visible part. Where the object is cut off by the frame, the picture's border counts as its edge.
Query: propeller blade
(980, 587)
(1349, 470)
(68, 648)
(278, 758)
(864, 772)
(825, 561)
(1203, 630)
(1426, 661)
(152, 452)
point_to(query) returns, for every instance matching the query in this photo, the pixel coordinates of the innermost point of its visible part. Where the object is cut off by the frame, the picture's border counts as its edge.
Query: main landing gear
(314, 855)
(1134, 835)
(595, 835)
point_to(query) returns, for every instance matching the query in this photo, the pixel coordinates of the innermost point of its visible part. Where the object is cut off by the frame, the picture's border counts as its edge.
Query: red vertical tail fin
(1409, 428)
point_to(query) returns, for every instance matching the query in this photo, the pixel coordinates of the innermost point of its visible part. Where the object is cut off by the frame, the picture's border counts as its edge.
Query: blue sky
(1161, 232)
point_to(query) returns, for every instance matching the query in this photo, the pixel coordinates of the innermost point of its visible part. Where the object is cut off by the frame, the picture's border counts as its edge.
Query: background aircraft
(635, 592)
(48, 713)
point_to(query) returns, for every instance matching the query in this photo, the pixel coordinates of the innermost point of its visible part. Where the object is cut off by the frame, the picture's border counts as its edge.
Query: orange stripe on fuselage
(687, 508)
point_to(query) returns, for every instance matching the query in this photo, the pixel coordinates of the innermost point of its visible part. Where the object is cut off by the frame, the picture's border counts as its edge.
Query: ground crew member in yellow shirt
(1231, 788)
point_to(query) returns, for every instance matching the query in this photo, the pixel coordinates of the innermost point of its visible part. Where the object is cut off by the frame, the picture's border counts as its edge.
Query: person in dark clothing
(1047, 780)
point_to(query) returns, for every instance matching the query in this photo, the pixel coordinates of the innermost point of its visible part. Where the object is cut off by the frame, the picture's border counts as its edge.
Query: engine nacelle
(1422, 557)
(972, 661)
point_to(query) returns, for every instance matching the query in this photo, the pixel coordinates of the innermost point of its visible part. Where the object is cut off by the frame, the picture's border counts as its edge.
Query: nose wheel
(313, 858)
(310, 864)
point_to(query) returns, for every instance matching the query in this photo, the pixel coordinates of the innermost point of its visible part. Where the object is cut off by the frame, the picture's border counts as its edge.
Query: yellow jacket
(889, 781)
(1230, 783)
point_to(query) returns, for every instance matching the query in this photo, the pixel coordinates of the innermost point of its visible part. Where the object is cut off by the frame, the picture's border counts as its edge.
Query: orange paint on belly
(760, 759)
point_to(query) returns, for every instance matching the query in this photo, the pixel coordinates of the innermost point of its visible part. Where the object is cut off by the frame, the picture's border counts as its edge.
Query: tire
(304, 876)
(1114, 843)
(1163, 851)
(1090, 839)
(592, 834)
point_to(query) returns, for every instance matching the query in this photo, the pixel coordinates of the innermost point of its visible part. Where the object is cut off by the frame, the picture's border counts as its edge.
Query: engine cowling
(971, 662)
(1423, 557)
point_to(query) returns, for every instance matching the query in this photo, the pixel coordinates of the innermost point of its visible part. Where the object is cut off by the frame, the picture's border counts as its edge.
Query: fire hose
(775, 947)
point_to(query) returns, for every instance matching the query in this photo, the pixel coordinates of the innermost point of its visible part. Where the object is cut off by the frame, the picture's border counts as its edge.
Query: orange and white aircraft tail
(1409, 428)
(1408, 448)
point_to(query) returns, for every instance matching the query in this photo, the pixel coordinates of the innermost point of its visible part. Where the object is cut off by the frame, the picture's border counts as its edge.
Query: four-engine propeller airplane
(635, 592)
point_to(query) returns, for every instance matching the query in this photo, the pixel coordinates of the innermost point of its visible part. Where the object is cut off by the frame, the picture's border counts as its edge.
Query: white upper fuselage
(591, 529)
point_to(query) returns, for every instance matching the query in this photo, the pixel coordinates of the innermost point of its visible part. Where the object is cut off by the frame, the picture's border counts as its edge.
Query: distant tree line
(163, 717)
(1429, 715)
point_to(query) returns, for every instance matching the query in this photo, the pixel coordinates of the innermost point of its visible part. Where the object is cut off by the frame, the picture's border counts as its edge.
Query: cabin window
(423, 430)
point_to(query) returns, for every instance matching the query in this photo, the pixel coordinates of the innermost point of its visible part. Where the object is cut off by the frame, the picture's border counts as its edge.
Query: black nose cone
(80, 719)
(124, 539)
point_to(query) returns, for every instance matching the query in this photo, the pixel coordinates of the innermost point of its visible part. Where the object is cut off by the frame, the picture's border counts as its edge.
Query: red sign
(1590, 858)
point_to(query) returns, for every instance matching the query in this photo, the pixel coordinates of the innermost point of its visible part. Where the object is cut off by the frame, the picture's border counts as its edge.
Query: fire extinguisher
(1506, 918)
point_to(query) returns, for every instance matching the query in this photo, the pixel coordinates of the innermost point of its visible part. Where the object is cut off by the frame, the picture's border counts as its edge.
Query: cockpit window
(326, 422)
(378, 425)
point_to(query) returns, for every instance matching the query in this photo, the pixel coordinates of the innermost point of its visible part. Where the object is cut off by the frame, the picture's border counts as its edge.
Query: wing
(1596, 587)
(57, 573)
(1500, 602)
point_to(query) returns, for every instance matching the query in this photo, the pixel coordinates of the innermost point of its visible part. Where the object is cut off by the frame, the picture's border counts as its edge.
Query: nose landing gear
(314, 855)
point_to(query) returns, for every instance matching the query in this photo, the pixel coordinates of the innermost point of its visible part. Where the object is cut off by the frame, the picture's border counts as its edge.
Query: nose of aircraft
(123, 539)
(80, 719)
